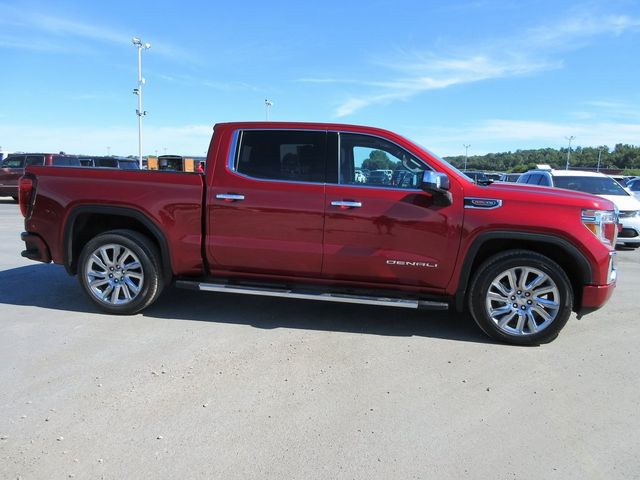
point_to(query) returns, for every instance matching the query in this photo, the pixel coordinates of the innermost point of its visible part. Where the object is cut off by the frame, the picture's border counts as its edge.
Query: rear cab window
(34, 160)
(284, 155)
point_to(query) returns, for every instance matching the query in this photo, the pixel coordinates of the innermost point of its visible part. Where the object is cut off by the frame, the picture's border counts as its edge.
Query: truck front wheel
(120, 271)
(521, 297)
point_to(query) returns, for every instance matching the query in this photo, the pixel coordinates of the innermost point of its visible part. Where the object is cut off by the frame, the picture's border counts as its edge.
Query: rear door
(266, 204)
(389, 232)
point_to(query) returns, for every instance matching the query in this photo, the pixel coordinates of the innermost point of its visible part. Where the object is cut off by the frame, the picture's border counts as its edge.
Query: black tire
(142, 282)
(515, 315)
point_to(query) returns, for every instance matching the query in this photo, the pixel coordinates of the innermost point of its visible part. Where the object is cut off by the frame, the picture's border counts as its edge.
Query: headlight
(630, 214)
(603, 224)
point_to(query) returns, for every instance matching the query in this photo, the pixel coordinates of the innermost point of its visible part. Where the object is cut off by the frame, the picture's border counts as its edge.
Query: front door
(379, 227)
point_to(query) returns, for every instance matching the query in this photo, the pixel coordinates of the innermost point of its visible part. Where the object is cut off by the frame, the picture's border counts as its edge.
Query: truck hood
(549, 195)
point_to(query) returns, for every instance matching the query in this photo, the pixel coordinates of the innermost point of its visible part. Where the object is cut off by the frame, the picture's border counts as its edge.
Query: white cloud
(190, 81)
(535, 50)
(48, 31)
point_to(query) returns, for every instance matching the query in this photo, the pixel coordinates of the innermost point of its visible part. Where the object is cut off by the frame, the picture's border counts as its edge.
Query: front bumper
(630, 234)
(595, 296)
(36, 248)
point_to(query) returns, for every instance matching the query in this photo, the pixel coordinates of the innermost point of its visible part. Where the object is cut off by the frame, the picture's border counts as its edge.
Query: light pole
(599, 156)
(569, 151)
(267, 105)
(108, 151)
(466, 155)
(138, 91)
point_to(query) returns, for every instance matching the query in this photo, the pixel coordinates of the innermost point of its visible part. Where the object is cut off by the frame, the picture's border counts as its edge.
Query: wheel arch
(87, 221)
(565, 254)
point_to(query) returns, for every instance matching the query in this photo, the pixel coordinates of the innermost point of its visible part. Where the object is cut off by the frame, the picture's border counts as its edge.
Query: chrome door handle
(346, 204)
(230, 196)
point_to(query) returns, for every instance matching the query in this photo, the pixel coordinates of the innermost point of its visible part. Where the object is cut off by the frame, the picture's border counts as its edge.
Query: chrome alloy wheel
(522, 301)
(114, 274)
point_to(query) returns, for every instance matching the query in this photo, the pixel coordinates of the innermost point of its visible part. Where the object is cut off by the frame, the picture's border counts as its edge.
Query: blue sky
(499, 75)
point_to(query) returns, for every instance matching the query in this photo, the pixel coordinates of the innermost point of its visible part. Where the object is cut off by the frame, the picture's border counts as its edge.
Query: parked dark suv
(110, 162)
(12, 168)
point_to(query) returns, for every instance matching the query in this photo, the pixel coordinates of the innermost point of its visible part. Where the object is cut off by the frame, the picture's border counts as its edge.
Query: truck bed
(171, 201)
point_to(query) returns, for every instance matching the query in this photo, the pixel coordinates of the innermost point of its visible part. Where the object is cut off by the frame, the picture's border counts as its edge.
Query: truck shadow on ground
(49, 287)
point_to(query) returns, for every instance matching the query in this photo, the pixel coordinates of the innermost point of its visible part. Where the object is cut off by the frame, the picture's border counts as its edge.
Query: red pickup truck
(286, 209)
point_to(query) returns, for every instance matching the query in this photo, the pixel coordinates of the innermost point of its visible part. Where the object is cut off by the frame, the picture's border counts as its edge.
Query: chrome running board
(321, 296)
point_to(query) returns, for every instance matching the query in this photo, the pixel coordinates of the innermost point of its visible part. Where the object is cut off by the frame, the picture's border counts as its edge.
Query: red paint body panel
(172, 201)
(595, 296)
(394, 226)
(289, 231)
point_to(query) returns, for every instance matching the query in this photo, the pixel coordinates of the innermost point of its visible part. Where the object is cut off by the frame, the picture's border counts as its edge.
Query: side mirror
(437, 184)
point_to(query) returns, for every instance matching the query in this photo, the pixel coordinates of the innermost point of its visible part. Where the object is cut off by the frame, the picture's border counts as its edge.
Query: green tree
(378, 160)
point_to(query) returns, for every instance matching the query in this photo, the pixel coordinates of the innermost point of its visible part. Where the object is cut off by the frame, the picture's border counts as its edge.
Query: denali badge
(482, 203)
(404, 263)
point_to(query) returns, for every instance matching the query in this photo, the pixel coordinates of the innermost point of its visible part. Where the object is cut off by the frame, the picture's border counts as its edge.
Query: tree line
(623, 157)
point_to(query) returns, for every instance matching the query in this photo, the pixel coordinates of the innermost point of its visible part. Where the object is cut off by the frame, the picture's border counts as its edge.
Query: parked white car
(596, 184)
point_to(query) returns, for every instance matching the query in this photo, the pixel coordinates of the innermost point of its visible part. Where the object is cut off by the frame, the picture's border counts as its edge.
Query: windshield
(593, 185)
(634, 186)
(13, 162)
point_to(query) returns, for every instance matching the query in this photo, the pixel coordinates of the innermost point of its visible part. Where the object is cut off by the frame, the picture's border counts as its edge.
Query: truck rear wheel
(521, 297)
(120, 271)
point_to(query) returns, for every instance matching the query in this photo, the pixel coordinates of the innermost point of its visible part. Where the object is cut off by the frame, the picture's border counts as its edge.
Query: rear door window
(34, 160)
(287, 155)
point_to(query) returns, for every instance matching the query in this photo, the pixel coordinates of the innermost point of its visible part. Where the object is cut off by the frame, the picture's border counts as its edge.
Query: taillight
(25, 194)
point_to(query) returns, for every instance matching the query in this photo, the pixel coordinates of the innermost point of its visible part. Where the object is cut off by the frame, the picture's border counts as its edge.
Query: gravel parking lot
(235, 387)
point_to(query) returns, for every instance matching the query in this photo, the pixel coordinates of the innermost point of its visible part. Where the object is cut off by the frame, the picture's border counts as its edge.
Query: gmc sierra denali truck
(296, 210)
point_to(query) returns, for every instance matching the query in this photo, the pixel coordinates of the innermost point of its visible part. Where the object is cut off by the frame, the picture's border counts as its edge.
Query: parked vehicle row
(487, 177)
(13, 167)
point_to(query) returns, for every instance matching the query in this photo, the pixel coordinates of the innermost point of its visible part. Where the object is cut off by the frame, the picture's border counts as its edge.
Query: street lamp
(138, 91)
(466, 155)
(267, 105)
(569, 151)
(599, 156)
